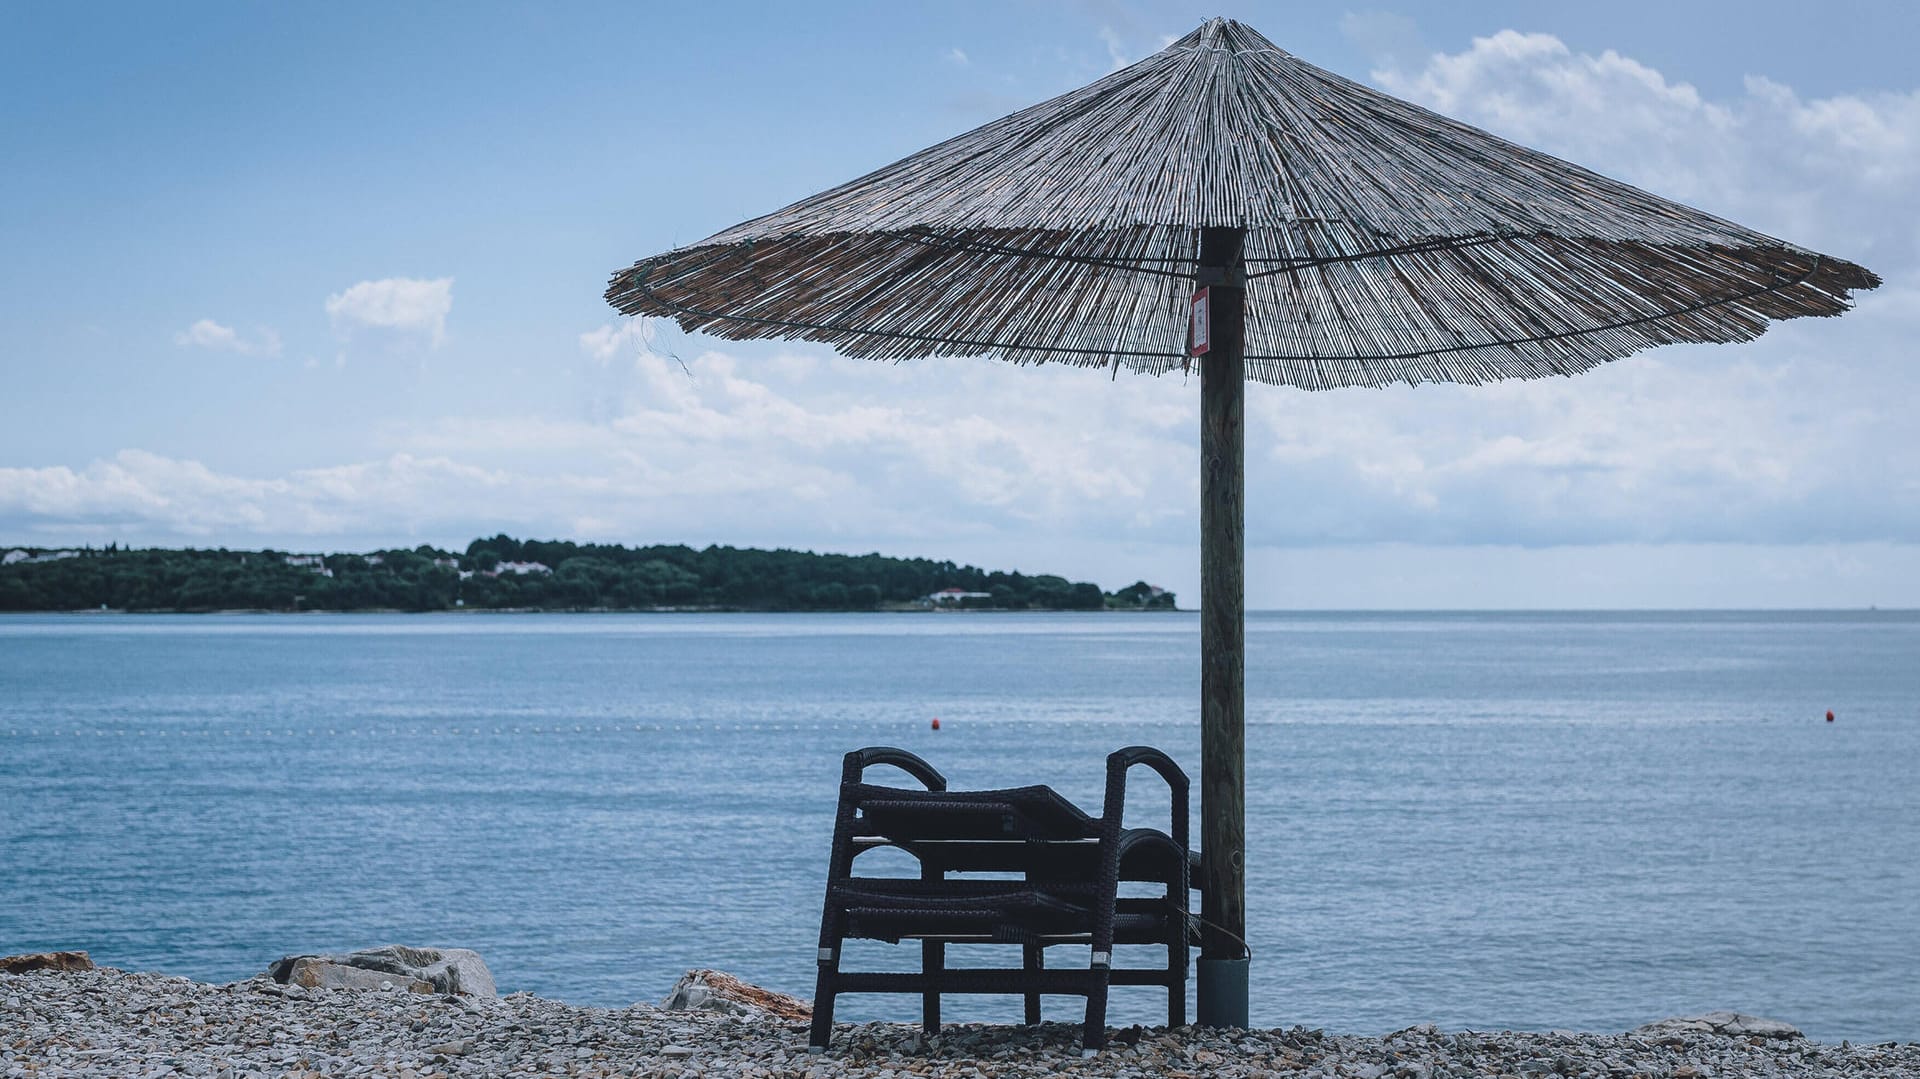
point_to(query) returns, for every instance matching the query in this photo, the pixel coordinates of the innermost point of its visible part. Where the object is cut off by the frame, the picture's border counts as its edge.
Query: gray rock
(420, 970)
(1726, 1024)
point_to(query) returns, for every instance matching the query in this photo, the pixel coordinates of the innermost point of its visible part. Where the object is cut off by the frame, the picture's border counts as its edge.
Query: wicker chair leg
(1033, 957)
(1178, 896)
(933, 959)
(1095, 1037)
(823, 992)
(1177, 964)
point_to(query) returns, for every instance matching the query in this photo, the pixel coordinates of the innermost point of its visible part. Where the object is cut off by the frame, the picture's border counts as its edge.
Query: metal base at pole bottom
(1222, 992)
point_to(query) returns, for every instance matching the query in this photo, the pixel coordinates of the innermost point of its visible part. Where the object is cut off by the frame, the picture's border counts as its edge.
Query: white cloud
(143, 493)
(1829, 173)
(211, 335)
(1698, 445)
(958, 57)
(404, 304)
(722, 450)
(207, 333)
(1061, 470)
(908, 446)
(1116, 49)
(631, 336)
(404, 497)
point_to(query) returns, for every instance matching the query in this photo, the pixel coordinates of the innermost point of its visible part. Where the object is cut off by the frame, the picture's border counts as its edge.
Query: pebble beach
(105, 1022)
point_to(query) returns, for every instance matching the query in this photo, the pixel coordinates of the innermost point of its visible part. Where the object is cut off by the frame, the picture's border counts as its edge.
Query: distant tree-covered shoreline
(503, 573)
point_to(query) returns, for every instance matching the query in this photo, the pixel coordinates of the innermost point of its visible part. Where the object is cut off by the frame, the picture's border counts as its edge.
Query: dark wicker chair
(1070, 867)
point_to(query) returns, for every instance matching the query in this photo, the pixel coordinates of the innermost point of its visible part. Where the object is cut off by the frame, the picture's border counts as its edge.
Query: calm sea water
(1580, 821)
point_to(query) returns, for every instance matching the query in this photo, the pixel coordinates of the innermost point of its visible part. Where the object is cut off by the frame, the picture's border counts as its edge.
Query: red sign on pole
(1201, 322)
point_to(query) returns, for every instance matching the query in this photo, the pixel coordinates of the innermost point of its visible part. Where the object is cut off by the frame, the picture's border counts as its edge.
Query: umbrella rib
(1420, 247)
(960, 243)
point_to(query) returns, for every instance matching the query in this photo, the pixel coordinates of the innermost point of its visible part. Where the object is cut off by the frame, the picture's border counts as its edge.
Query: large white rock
(714, 991)
(1728, 1024)
(418, 970)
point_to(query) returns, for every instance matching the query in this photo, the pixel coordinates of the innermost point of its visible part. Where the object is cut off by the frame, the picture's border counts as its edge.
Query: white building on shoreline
(952, 597)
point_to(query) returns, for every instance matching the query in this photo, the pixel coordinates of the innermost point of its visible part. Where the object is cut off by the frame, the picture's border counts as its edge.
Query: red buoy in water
(936, 720)
(1829, 718)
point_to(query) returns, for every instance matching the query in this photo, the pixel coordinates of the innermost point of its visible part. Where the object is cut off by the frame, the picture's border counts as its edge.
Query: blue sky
(329, 277)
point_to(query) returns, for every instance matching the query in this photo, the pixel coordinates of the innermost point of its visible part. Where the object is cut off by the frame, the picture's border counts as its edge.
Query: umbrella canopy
(1383, 242)
(1345, 237)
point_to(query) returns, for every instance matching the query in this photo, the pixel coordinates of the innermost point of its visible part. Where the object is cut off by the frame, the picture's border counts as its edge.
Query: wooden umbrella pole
(1223, 964)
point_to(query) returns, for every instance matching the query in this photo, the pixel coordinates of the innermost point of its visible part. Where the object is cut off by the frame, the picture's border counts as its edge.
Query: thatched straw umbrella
(1342, 237)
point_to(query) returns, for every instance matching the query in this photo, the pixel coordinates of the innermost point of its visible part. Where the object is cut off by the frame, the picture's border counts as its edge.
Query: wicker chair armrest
(1121, 761)
(858, 761)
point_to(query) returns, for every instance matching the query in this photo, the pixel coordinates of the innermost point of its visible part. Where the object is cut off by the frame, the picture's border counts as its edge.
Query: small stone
(677, 1052)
